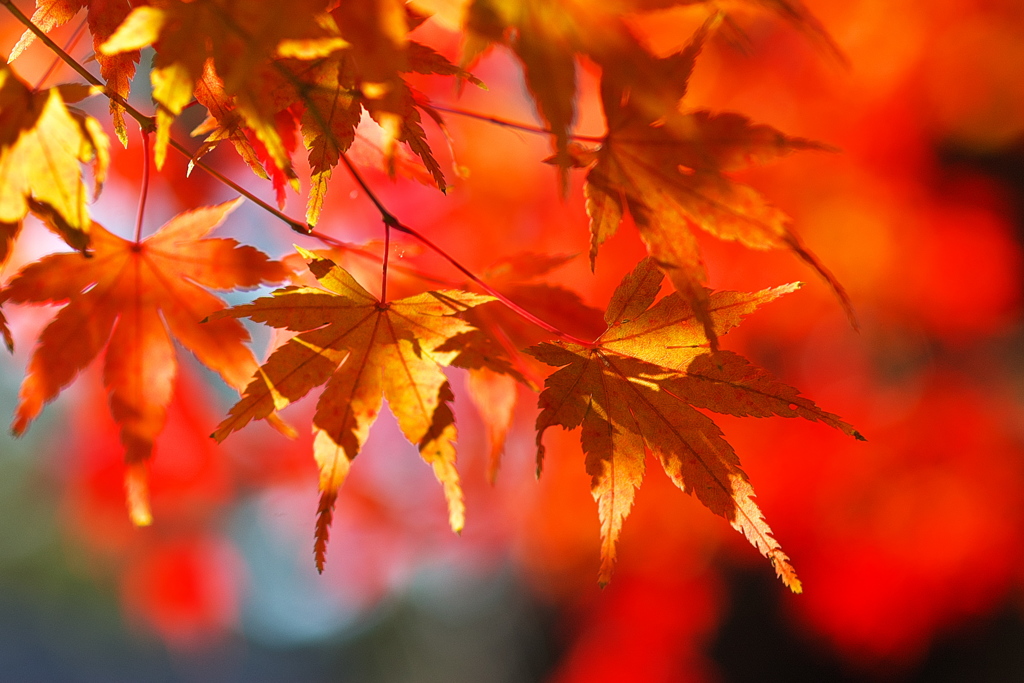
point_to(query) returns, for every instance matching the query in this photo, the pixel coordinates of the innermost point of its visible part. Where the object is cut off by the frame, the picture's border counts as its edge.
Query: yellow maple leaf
(365, 351)
(637, 387)
(42, 144)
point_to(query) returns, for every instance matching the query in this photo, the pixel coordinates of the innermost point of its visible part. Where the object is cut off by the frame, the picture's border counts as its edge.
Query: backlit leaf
(240, 38)
(42, 147)
(365, 351)
(636, 389)
(132, 299)
(104, 17)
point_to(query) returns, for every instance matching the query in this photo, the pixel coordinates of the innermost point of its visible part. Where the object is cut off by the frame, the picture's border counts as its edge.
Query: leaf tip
(136, 485)
(305, 253)
(19, 425)
(324, 517)
(282, 427)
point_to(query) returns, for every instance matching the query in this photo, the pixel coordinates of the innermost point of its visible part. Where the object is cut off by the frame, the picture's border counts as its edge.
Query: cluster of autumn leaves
(270, 72)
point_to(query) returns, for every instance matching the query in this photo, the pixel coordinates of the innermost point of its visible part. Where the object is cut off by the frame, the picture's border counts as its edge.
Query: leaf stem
(511, 124)
(384, 268)
(144, 121)
(68, 46)
(144, 193)
(297, 226)
(516, 308)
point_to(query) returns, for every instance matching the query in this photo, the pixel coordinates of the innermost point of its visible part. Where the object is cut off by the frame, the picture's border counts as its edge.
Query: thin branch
(68, 46)
(296, 225)
(386, 216)
(512, 124)
(516, 308)
(145, 121)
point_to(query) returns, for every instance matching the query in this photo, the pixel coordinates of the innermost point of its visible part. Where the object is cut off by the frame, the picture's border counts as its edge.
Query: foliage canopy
(332, 75)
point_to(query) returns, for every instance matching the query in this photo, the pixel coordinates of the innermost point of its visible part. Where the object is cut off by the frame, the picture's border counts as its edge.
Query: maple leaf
(637, 388)
(130, 298)
(663, 167)
(490, 352)
(365, 351)
(42, 144)
(545, 37)
(240, 38)
(226, 123)
(667, 169)
(328, 125)
(335, 97)
(793, 11)
(104, 16)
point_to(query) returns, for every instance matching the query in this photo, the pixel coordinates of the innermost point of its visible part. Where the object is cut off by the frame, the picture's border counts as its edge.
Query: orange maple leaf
(669, 176)
(226, 123)
(131, 298)
(365, 350)
(636, 389)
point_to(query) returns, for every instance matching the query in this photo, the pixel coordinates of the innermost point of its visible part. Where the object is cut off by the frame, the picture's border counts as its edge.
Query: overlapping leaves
(666, 169)
(637, 388)
(104, 17)
(239, 38)
(267, 72)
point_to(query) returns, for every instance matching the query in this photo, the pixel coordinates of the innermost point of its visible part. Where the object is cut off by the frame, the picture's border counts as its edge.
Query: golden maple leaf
(637, 387)
(42, 144)
(131, 298)
(365, 350)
